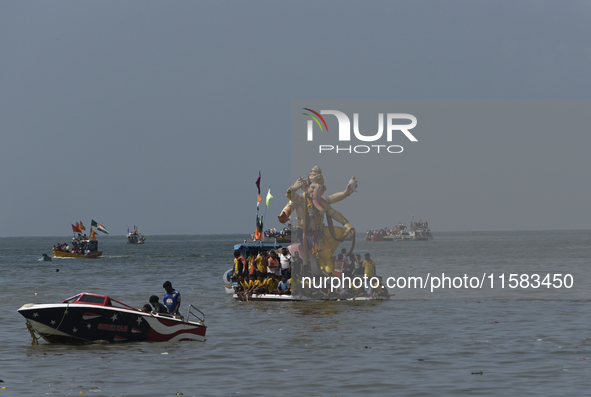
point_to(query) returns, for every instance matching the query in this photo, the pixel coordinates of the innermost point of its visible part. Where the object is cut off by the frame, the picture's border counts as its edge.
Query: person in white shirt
(285, 260)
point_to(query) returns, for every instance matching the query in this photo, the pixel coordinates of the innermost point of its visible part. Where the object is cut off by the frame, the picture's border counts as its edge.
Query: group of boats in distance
(93, 318)
(83, 246)
(418, 231)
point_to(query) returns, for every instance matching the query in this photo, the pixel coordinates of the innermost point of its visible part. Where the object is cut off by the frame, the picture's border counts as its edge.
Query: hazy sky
(161, 114)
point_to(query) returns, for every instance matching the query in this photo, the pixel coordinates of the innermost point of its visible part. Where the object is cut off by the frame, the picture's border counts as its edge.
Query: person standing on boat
(261, 264)
(285, 260)
(172, 298)
(273, 264)
(369, 266)
(239, 264)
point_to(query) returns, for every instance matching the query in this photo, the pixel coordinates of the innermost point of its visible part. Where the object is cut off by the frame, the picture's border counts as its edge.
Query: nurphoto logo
(344, 134)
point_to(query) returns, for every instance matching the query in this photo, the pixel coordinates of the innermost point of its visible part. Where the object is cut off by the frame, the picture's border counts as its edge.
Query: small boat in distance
(418, 231)
(91, 318)
(84, 248)
(44, 258)
(135, 237)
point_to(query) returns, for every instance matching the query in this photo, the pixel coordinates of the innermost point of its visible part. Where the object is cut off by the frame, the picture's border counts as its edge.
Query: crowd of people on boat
(420, 225)
(378, 233)
(79, 245)
(421, 229)
(270, 272)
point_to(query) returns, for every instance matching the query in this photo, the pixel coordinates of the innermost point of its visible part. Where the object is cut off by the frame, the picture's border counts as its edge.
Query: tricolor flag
(269, 197)
(99, 227)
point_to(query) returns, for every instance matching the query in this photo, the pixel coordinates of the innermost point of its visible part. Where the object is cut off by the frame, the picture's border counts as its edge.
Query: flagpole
(266, 206)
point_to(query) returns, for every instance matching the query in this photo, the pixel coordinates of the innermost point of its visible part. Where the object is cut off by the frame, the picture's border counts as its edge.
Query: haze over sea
(483, 342)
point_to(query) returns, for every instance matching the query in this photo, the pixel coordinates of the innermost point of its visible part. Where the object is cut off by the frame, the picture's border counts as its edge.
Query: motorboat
(135, 237)
(92, 318)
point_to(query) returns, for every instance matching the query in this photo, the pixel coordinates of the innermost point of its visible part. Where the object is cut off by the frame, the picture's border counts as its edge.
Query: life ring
(228, 279)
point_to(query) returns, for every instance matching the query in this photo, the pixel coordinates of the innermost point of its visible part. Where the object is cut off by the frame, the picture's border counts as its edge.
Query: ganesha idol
(316, 242)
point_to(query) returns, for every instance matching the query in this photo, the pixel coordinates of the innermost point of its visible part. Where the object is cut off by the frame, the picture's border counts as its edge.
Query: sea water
(456, 341)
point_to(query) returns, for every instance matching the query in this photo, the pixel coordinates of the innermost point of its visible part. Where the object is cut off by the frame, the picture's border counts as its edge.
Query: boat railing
(190, 313)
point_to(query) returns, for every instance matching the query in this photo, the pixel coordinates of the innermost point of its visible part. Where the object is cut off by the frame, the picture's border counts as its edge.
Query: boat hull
(86, 323)
(63, 254)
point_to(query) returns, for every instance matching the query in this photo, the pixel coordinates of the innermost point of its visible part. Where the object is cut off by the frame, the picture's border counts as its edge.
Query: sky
(162, 114)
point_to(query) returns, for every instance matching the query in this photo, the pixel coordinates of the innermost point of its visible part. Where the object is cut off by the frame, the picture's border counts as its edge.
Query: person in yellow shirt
(239, 265)
(246, 283)
(261, 263)
(369, 266)
(247, 287)
(381, 290)
(260, 286)
(272, 284)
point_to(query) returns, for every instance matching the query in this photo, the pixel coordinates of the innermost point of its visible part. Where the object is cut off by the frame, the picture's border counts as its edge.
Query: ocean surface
(478, 341)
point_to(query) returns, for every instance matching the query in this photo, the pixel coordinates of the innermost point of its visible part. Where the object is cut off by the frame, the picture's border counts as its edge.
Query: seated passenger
(238, 287)
(272, 282)
(283, 288)
(381, 290)
(158, 307)
(147, 308)
(246, 284)
(260, 286)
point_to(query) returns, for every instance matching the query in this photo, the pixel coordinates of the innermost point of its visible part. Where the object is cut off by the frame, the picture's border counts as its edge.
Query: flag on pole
(269, 197)
(99, 227)
(76, 229)
(258, 183)
(82, 226)
(92, 234)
